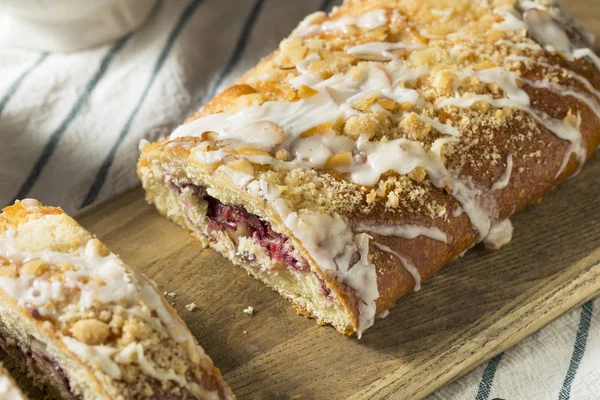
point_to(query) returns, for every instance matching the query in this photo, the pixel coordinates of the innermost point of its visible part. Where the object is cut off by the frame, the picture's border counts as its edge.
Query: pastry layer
(387, 138)
(249, 241)
(86, 326)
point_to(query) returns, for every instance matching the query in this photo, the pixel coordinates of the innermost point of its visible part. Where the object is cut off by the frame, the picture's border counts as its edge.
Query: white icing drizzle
(368, 21)
(519, 99)
(580, 78)
(293, 118)
(406, 231)
(97, 355)
(331, 243)
(563, 90)
(503, 181)
(442, 128)
(410, 268)
(500, 235)
(377, 158)
(402, 156)
(120, 286)
(438, 145)
(586, 52)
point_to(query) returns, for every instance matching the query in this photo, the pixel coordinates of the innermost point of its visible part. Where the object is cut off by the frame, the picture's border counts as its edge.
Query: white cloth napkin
(70, 125)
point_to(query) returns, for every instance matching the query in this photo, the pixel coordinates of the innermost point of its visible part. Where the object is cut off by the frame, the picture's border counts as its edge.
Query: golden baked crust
(84, 323)
(477, 89)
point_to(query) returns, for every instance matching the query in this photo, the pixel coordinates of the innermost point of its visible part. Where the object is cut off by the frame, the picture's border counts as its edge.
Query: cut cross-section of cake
(9, 390)
(86, 326)
(379, 142)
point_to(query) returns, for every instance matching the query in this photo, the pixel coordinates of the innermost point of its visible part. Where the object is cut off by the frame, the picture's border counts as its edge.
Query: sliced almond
(339, 160)
(352, 30)
(241, 165)
(34, 267)
(400, 52)
(30, 204)
(320, 129)
(371, 57)
(210, 136)
(267, 134)
(287, 65)
(380, 33)
(406, 106)
(229, 158)
(252, 151)
(297, 53)
(485, 64)
(418, 174)
(364, 103)
(389, 104)
(317, 65)
(249, 100)
(100, 248)
(305, 92)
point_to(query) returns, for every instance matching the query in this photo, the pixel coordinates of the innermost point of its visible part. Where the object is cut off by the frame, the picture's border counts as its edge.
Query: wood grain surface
(475, 308)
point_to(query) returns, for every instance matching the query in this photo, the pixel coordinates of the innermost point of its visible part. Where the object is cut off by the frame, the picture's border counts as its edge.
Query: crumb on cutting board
(191, 306)
(250, 310)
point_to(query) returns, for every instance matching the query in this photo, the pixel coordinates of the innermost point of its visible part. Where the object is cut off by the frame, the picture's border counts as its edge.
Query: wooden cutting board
(475, 308)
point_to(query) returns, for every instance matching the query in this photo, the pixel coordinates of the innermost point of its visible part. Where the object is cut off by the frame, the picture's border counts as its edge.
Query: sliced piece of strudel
(8, 387)
(85, 325)
(379, 142)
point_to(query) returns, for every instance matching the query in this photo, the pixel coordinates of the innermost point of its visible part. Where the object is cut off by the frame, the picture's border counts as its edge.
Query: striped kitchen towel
(70, 125)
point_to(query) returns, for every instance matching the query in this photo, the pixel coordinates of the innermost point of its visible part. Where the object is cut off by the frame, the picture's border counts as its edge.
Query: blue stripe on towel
(239, 47)
(487, 380)
(103, 171)
(55, 138)
(15, 86)
(578, 350)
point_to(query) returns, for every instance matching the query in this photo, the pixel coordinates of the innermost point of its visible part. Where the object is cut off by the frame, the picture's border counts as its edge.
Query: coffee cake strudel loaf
(378, 143)
(83, 324)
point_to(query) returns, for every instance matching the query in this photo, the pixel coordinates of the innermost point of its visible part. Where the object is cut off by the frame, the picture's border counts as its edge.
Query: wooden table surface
(475, 308)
